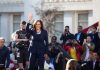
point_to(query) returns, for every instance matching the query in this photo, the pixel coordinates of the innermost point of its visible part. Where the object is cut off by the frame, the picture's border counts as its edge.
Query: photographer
(88, 48)
(65, 36)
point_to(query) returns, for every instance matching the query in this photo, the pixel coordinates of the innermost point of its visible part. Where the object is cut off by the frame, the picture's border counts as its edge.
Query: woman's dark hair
(40, 23)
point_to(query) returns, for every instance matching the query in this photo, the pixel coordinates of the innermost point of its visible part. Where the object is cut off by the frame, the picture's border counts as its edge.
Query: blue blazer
(39, 42)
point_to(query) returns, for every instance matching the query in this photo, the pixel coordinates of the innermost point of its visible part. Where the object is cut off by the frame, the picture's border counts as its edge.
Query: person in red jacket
(74, 49)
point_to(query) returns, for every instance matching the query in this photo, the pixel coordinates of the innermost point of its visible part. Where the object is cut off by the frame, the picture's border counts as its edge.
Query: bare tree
(48, 16)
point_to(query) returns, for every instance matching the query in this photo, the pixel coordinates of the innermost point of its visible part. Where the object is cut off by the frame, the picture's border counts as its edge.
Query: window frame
(16, 22)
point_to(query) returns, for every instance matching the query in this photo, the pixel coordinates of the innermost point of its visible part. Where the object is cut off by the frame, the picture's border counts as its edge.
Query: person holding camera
(88, 48)
(65, 36)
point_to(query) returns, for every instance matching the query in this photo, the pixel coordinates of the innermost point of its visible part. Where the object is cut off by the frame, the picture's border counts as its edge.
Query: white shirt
(47, 66)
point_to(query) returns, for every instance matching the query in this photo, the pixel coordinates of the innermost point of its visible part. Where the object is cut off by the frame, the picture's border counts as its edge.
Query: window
(83, 19)
(58, 27)
(16, 22)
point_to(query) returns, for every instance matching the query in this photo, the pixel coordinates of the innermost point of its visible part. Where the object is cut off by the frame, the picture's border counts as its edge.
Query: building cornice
(63, 6)
(12, 7)
(11, 1)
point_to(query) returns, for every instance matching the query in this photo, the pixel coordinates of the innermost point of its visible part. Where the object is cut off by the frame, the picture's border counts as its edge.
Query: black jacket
(4, 55)
(81, 38)
(65, 37)
(89, 65)
(39, 42)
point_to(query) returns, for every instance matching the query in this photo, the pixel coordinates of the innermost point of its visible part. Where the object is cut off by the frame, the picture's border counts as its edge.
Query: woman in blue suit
(39, 47)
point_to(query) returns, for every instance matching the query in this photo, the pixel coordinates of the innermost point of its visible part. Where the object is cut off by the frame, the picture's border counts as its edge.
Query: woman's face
(38, 25)
(89, 39)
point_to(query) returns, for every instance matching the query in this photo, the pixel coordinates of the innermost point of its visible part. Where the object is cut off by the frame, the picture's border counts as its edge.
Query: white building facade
(11, 12)
(71, 13)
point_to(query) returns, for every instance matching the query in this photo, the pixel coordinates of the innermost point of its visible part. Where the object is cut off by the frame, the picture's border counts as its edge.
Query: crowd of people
(29, 49)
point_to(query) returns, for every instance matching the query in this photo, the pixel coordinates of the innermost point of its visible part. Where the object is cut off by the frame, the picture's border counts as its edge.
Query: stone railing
(49, 1)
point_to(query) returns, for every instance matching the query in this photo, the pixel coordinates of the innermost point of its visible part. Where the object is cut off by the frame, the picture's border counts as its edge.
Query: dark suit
(4, 56)
(38, 49)
(89, 65)
(81, 37)
(96, 66)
